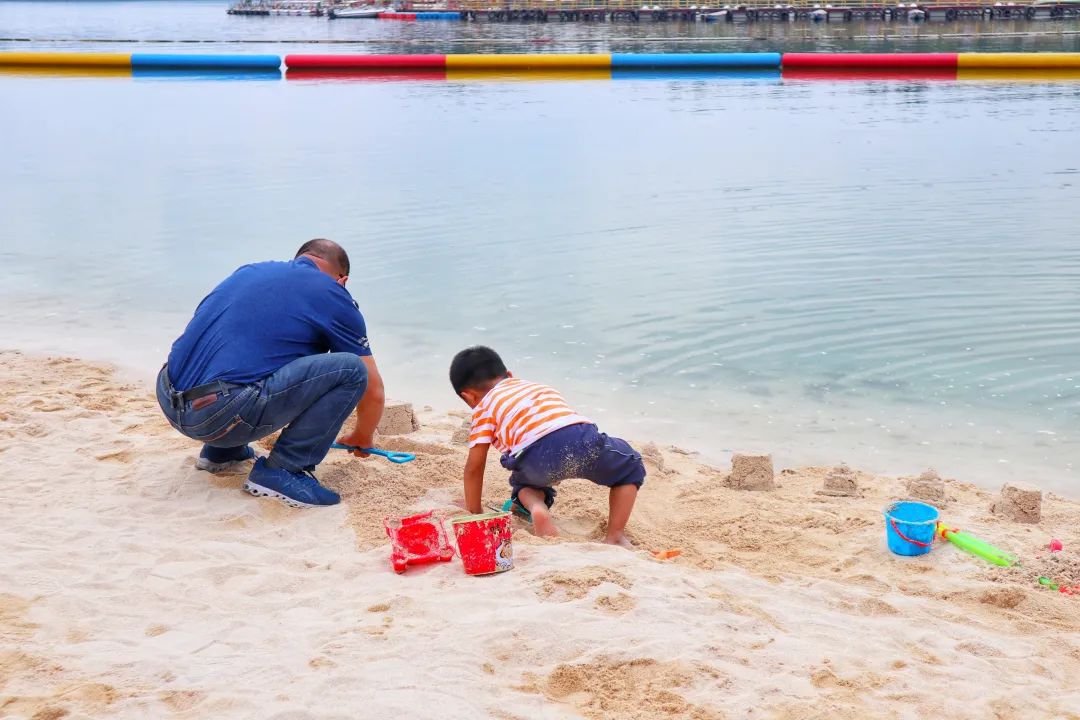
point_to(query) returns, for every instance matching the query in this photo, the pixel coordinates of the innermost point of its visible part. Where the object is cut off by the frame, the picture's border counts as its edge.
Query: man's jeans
(310, 398)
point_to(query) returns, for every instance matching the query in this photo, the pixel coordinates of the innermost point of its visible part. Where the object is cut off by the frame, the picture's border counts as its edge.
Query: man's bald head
(327, 250)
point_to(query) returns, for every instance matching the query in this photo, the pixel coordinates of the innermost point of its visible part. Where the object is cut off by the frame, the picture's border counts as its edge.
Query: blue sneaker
(294, 489)
(216, 460)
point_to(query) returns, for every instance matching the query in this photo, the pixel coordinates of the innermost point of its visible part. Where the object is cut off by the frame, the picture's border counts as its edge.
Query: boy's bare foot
(543, 524)
(620, 539)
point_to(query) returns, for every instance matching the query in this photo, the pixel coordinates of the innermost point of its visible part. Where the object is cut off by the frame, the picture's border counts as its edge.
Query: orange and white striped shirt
(515, 414)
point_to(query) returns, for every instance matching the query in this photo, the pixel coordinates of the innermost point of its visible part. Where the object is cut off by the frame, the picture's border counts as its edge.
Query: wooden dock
(596, 11)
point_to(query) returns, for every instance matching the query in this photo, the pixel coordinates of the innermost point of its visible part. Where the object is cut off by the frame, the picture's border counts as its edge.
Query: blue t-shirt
(261, 318)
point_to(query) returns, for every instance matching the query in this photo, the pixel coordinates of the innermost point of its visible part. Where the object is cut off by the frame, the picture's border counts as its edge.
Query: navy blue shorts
(577, 451)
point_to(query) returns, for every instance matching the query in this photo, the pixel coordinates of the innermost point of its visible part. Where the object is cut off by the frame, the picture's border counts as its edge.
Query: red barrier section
(397, 16)
(884, 73)
(365, 62)
(866, 61)
(367, 74)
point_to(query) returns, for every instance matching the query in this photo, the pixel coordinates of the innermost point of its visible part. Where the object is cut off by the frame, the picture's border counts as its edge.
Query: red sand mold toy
(418, 540)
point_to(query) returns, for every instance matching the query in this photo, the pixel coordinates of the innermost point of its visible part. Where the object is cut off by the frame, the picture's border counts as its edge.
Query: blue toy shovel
(394, 457)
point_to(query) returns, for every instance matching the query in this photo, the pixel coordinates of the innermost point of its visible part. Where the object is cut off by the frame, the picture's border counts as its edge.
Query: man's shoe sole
(260, 491)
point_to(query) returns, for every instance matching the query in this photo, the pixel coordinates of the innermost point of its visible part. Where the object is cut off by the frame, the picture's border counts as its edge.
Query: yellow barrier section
(64, 71)
(1022, 75)
(528, 63)
(1018, 61)
(62, 59)
(544, 74)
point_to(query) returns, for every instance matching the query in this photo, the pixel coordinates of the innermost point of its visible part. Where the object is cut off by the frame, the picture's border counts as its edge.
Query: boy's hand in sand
(358, 440)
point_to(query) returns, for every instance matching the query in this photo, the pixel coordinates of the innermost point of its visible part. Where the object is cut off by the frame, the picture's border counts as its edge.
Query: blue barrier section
(695, 60)
(438, 16)
(257, 63)
(222, 74)
(718, 74)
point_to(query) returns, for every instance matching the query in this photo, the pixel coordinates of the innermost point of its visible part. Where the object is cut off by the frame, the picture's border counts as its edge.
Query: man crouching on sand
(276, 345)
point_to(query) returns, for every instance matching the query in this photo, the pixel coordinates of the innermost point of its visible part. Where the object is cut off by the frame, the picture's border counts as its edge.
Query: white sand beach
(134, 586)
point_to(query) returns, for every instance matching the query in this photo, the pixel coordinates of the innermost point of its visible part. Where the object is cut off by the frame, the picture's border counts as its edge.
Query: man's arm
(369, 410)
(474, 477)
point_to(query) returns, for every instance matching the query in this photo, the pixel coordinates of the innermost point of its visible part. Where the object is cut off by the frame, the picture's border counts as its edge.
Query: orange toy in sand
(418, 540)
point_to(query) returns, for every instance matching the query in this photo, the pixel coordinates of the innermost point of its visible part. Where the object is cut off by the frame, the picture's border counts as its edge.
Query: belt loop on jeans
(174, 399)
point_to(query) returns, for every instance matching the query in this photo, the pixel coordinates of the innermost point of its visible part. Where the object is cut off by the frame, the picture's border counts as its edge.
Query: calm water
(884, 272)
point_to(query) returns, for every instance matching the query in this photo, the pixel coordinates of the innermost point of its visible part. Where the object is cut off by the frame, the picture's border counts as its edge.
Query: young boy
(542, 442)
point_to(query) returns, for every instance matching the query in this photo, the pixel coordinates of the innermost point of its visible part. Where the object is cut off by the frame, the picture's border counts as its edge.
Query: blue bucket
(910, 527)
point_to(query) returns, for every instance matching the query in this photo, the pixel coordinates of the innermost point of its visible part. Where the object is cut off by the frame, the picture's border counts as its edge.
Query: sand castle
(1019, 502)
(398, 419)
(840, 482)
(751, 472)
(928, 487)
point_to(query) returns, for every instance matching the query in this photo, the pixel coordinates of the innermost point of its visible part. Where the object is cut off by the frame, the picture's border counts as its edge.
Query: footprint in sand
(125, 457)
(181, 700)
(641, 687)
(876, 607)
(43, 406)
(50, 713)
(578, 526)
(156, 629)
(565, 585)
(616, 604)
(867, 581)
(34, 430)
(979, 649)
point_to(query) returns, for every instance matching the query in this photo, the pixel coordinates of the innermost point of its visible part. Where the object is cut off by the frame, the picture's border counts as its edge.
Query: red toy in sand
(418, 540)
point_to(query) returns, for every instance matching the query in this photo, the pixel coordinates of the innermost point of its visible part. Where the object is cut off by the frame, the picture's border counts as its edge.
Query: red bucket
(484, 543)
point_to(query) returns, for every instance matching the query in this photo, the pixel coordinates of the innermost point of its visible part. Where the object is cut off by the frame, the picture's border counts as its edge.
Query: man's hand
(368, 411)
(359, 440)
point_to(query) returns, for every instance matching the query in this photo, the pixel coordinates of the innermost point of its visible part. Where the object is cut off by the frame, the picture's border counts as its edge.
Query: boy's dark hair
(473, 367)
